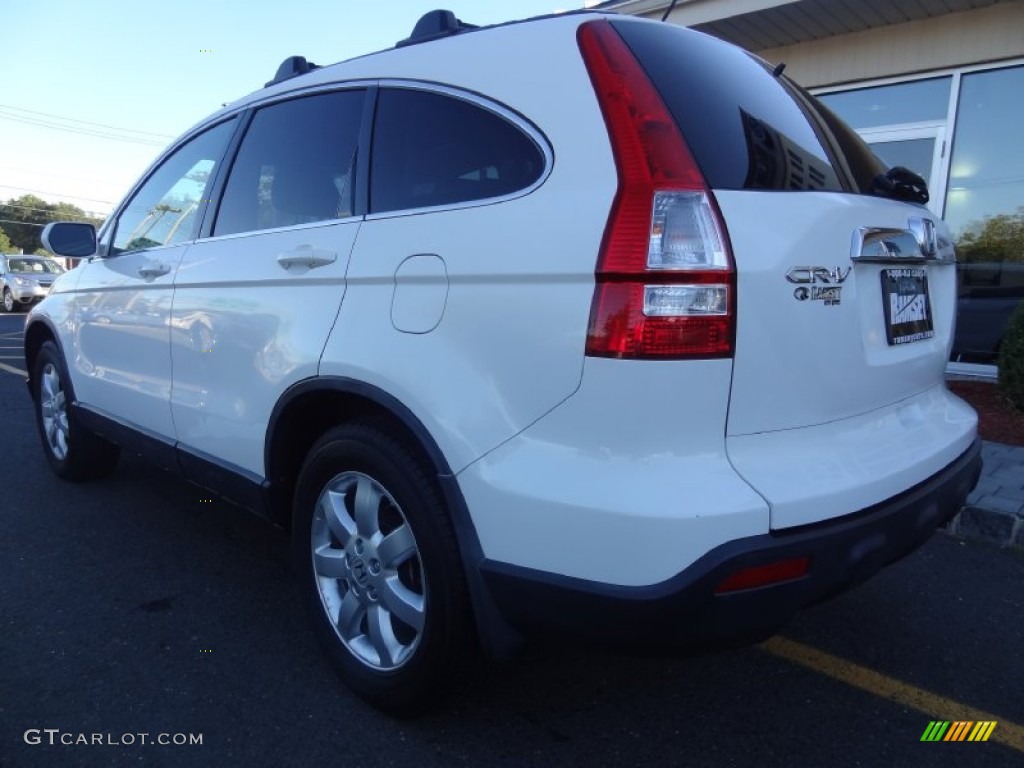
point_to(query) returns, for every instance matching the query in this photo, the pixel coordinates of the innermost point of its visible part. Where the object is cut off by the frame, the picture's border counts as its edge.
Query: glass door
(920, 148)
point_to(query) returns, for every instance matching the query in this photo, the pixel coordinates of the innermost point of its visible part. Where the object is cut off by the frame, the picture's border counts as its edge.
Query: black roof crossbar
(291, 67)
(433, 26)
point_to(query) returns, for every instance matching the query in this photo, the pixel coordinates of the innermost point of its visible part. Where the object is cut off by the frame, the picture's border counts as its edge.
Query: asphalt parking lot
(137, 605)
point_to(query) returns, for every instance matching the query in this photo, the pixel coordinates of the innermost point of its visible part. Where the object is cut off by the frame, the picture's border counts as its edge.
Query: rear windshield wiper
(900, 183)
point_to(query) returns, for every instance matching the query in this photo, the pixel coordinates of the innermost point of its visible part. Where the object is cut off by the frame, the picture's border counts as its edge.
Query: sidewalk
(995, 510)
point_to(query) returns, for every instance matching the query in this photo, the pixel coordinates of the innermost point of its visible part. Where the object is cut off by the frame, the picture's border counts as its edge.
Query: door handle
(150, 271)
(306, 256)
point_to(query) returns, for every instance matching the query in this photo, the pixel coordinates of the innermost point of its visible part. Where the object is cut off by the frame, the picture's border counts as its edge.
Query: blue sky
(112, 65)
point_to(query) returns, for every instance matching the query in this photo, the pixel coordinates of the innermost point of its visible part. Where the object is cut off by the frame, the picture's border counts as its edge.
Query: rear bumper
(684, 613)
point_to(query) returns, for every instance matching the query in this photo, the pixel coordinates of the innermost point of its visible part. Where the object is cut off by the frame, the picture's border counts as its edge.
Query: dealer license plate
(908, 312)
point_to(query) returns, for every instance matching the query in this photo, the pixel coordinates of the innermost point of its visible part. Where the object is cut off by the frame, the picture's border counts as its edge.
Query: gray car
(25, 280)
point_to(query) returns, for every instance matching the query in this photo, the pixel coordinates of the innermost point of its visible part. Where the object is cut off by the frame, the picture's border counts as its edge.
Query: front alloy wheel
(73, 451)
(8, 300)
(53, 408)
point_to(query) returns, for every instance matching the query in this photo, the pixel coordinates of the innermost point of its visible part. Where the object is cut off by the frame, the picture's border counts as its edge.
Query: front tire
(9, 303)
(379, 567)
(73, 452)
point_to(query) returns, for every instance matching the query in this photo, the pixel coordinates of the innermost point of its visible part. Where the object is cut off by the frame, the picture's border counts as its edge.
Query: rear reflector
(763, 575)
(665, 280)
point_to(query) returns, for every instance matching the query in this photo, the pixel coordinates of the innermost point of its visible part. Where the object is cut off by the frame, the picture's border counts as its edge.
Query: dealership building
(933, 85)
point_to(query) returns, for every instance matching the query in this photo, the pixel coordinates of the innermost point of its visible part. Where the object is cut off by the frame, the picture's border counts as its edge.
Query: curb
(994, 511)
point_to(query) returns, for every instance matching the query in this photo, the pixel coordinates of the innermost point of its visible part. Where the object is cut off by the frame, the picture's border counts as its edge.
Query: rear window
(744, 126)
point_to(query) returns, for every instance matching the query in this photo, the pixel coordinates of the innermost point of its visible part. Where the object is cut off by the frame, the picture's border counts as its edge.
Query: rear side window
(296, 164)
(432, 149)
(744, 127)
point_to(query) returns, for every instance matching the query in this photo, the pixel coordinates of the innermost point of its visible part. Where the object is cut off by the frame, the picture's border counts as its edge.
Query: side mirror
(73, 239)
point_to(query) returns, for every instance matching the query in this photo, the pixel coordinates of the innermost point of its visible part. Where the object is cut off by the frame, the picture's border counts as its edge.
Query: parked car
(621, 343)
(25, 280)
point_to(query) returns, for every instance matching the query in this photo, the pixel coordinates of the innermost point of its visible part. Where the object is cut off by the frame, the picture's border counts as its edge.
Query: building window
(886, 105)
(985, 208)
(983, 199)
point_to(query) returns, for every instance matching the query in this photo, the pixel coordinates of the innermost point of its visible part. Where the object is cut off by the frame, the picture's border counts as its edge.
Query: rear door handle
(155, 269)
(306, 256)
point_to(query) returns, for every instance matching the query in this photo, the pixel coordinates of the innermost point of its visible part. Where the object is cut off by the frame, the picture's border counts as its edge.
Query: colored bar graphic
(982, 731)
(935, 730)
(959, 730)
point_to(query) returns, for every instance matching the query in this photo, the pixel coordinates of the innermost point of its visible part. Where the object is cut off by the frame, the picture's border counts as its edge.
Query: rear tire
(380, 569)
(73, 452)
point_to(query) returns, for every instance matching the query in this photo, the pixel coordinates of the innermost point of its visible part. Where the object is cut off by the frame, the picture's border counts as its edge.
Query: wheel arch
(37, 333)
(310, 408)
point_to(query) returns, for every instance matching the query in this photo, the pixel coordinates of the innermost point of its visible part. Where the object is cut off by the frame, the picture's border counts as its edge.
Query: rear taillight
(665, 280)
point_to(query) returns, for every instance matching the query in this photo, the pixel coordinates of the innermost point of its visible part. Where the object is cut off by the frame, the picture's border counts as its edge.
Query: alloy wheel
(368, 571)
(53, 407)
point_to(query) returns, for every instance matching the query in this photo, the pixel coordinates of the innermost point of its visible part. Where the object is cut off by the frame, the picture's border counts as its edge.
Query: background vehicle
(25, 280)
(633, 345)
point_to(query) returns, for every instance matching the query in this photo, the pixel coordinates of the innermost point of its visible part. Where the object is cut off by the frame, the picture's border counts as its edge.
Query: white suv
(583, 325)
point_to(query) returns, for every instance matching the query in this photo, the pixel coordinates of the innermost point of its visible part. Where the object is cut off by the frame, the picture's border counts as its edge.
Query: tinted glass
(165, 209)
(745, 129)
(914, 102)
(864, 165)
(296, 164)
(430, 149)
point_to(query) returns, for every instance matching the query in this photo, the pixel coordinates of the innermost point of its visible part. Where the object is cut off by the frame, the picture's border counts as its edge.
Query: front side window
(296, 164)
(431, 149)
(165, 210)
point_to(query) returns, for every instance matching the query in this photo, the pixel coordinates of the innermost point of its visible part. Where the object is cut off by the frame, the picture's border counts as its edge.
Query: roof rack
(291, 67)
(433, 26)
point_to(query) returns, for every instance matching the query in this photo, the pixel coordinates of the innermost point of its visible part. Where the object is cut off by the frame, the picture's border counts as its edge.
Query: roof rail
(291, 67)
(433, 26)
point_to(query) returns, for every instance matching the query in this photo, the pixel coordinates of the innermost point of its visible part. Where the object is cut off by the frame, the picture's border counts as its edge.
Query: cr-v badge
(818, 283)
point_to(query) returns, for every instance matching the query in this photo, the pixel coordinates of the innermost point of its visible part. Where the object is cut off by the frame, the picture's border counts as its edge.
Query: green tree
(26, 216)
(1011, 359)
(994, 238)
(5, 243)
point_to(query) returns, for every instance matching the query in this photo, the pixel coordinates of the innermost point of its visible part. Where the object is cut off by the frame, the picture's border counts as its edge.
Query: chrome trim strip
(924, 231)
(975, 371)
(880, 245)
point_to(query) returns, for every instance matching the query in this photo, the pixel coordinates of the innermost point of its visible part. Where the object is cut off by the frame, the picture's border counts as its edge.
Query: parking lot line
(930, 704)
(12, 369)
